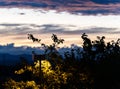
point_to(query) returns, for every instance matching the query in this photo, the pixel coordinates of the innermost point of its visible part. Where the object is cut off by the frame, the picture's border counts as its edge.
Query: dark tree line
(96, 66)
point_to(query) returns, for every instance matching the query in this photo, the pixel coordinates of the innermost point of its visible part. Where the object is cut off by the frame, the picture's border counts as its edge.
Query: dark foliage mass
(96, 66)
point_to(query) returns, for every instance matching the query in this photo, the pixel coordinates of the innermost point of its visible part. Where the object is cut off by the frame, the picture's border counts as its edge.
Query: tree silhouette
(97, 66)
(30, 36)
(87, 45)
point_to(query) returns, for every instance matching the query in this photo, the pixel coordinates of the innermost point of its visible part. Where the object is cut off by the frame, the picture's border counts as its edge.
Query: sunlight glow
(32, 16)
(39, 17)
(46, 66)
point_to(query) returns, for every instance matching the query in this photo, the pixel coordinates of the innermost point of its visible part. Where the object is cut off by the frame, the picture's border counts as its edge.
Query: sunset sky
(66, 18)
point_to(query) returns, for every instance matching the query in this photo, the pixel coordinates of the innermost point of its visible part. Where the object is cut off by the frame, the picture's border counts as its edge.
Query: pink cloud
(88, 7)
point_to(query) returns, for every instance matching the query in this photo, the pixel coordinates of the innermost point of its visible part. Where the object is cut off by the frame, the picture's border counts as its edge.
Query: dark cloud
(15, 29)
(88, 7)
(22, 13)
(32, 4)
(11, 49)
(23, 29)
(49, 28)
(106, 1)
(6, 24)
(96, 30)
(64, 29)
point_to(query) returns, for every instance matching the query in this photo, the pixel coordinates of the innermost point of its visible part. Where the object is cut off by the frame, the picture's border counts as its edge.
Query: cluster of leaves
(96, 66)
(31, 78)
(12, 84)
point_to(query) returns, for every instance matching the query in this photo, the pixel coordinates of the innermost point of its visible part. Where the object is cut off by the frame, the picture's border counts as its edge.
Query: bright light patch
(45, 65)
(32, 16)
(39, 17)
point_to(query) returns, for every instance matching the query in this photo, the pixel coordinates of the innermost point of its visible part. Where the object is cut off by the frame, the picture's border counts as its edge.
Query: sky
(68, 19)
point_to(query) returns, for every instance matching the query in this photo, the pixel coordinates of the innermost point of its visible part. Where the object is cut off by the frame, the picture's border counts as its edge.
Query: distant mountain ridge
(11, 55)
(11, 49)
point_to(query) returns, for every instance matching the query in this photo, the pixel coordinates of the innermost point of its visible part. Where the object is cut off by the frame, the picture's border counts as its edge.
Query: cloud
(15, 29)
(10, 24)
(106, 1)
(87, 7)
(66, 29)
(11, 49)
(24, 29)
(49, 28)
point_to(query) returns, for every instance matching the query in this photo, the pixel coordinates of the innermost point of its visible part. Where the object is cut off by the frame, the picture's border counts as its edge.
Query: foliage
(96, 66)
(11, 84)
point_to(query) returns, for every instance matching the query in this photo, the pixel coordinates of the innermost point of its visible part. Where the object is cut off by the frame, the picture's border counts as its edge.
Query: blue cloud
(50, 28)
(11, 49)
(106, 1)
(32, 4)
(89, 7)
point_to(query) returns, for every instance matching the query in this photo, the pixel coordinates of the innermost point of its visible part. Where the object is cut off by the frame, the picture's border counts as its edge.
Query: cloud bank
(11, 49)
(86, 7)
(24, 29)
